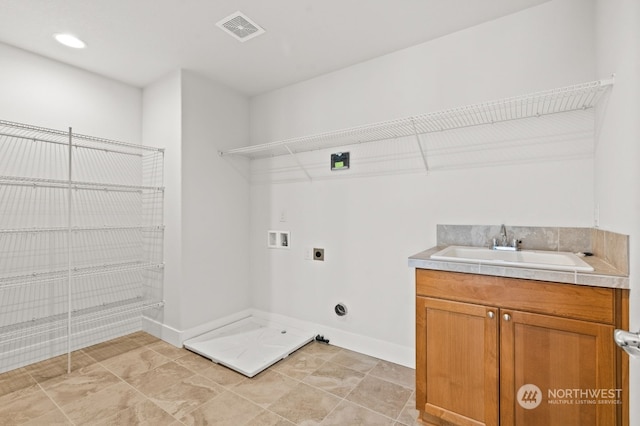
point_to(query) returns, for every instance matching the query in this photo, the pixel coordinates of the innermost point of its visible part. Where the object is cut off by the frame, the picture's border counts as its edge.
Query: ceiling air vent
(240, 26)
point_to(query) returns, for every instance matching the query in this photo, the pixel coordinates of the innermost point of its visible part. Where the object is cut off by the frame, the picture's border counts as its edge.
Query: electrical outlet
(283, 215)
(308, 253)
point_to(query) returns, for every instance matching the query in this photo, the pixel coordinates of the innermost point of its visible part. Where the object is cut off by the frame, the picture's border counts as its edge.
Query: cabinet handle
(490, 314)
(507, 317)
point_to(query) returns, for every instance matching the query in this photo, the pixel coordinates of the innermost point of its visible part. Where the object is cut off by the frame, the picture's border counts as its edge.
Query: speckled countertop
(604, 274)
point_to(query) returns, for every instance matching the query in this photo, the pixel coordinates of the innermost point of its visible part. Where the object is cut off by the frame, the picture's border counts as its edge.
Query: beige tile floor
(140, 380)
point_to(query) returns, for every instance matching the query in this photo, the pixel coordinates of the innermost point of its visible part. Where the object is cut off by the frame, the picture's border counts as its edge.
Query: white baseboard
(177, 337)
(162, 331)
(403, 355)
(212, 325)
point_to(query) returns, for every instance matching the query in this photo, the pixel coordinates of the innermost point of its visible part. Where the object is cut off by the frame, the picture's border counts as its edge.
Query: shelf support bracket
(299, 163)
(424, 155)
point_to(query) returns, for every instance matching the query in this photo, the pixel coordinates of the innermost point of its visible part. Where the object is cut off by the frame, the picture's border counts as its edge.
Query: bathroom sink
(538, 259)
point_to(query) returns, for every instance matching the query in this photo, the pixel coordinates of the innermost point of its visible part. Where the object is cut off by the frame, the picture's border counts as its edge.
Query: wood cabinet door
(457, 363)
(556, 371)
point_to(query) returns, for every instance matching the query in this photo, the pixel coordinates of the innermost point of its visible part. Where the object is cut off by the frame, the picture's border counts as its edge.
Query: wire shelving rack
(81, 241)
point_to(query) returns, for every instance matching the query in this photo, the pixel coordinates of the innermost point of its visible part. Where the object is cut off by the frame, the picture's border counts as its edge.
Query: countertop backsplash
(609, 246)
(612, 247)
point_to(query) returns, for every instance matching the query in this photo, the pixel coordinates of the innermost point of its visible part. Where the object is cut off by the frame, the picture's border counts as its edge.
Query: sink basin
(538, 259)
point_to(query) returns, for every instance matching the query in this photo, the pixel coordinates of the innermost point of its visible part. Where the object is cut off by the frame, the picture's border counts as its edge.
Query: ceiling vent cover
(240, 26)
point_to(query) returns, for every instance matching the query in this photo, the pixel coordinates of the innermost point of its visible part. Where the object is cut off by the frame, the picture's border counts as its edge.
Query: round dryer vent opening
(340, 309)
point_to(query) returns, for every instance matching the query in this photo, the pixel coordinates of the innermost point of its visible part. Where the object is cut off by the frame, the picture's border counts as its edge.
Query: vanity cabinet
(480, 339)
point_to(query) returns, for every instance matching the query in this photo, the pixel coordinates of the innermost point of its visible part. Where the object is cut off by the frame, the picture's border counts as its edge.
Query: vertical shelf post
(69, 238)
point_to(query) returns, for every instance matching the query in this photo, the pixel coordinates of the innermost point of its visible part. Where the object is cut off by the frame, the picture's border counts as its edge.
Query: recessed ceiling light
(70, 41)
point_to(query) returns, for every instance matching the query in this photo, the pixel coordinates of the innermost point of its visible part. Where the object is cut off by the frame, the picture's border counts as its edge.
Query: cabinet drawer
(559, 299)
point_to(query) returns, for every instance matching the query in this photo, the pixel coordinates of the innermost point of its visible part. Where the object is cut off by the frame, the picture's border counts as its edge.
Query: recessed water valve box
(278, 239)
(318, 254)
(340, 161)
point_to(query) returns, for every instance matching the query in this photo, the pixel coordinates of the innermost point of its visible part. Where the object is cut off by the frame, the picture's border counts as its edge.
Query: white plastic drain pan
(249, 345)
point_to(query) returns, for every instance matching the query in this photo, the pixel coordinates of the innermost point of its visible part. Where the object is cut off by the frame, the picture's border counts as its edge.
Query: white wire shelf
(62, 274)
(53, 323)
(82, 229)
(571, 98)
(64, 184)
(60, 137)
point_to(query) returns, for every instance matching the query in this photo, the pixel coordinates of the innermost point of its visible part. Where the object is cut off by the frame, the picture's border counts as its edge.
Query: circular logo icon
(529, 396)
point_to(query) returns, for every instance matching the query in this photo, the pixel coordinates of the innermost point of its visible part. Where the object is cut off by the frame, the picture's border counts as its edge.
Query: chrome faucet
(503, 234)
(504, 243)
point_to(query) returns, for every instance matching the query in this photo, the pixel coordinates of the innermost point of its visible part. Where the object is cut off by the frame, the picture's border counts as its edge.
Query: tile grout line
(268, 407)
(37, 383)
(173, 360)
(54, 403)
(146, 398)
(324, 361)
(379, 378)
(368, 373)
(132, 387)
(225, 388)
(230, 389)
(149, 399)
(204, 403)
(344, 399)
(195, 373)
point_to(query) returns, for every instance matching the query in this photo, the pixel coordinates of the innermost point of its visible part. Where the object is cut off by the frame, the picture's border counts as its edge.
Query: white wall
(206, 200)
(215, 203)
(370, 226)
(544, 47)
(46, 93)
(162, 128)
(617, 172)
(42, 92)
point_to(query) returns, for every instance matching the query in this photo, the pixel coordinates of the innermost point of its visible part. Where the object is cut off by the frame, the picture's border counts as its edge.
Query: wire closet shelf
(571, 98)
(81, 241)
